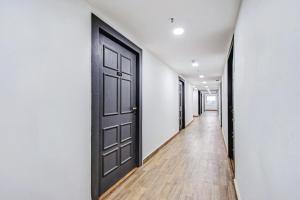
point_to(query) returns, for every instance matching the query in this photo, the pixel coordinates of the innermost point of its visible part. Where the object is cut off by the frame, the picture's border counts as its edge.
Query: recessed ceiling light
(194, 63)
(201, 76)
(178, 31)
(206, 86)
(204, 82)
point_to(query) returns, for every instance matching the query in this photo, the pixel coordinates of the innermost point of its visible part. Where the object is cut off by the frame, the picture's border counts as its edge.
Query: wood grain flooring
(193, 166)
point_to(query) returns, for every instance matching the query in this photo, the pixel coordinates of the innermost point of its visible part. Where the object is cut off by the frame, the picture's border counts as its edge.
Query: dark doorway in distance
(181, 103)
(199, 103)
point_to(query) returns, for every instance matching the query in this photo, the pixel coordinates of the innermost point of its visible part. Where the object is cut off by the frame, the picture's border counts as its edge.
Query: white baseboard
(237, 189)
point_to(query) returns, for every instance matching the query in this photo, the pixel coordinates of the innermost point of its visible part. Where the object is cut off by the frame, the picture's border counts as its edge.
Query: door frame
(201, 97)
(100, 27)
(230, 105)
(199, 102)
(221, 104)
(204, 102)
(183, 101)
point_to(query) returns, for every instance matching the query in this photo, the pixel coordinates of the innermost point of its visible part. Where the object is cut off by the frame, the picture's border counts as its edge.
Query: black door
(199, 102)
(117, 78)
(116, 107)
(181, 104)
(221, 105)
(230, 106)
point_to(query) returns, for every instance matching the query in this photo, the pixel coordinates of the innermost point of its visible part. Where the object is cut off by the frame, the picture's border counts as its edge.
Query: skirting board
(159, 148)
(164, 144)
(116, 185)
(188, 123)
(237, 191)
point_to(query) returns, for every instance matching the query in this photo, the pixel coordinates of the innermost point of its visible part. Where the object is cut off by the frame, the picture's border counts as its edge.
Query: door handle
(134, 109)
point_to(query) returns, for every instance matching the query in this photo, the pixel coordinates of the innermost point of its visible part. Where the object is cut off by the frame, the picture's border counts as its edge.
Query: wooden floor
(192, 166)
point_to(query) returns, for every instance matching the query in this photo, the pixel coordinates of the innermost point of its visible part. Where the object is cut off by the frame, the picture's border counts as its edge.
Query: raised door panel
(110, 137)
(125, 65)
(110, 98)
(126, 152)
(110, 58)
(126, 131)
(110, 161)
(125, 96)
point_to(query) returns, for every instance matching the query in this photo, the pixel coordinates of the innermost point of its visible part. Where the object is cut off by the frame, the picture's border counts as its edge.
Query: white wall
(160, 103)
(267, 46)
(225, 106)
(45, 118)
(195, 102)
(188, 102)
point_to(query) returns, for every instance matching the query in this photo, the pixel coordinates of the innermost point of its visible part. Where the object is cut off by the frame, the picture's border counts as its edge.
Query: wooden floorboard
(192, 166)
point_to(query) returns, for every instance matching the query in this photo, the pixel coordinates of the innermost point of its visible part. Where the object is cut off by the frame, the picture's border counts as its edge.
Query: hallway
(191, 166)
(90, 89)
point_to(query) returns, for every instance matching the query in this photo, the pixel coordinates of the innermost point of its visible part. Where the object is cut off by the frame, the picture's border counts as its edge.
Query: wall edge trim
(237, 191)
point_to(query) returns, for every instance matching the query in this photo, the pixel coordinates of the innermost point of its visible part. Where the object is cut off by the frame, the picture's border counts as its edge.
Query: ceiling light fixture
(178, 31)
(204, 82)
(201, 76)
(194, 63)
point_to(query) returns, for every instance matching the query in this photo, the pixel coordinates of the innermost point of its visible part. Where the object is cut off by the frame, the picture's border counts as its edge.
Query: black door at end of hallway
(181, 104)
(199, 103)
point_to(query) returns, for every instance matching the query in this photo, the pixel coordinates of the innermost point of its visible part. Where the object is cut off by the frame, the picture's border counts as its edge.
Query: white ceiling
(208, 25)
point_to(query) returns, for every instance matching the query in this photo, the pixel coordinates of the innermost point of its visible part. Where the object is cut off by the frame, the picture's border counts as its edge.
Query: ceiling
(208, 25)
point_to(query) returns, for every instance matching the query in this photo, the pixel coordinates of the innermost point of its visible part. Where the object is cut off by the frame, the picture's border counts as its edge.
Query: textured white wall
(267, 46)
